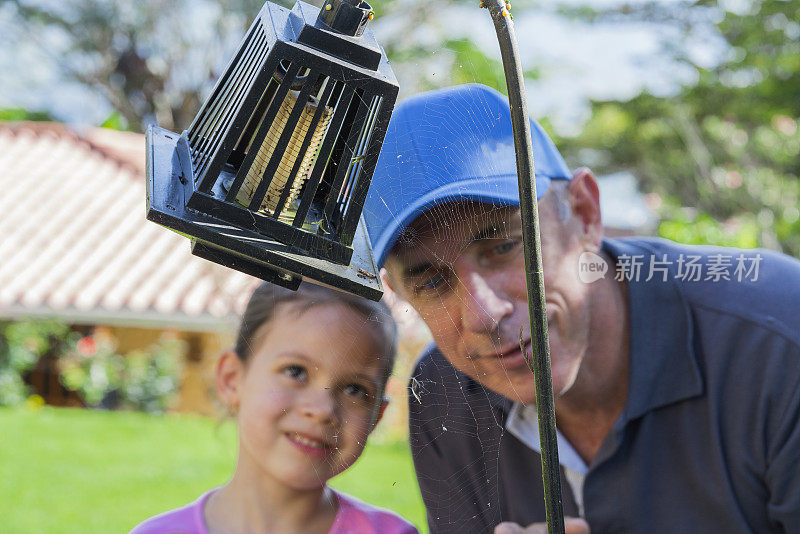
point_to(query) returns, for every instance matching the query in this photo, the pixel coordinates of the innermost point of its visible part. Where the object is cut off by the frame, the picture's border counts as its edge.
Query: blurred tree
(151, 60)
(155, 60)
(721, 157)
(426, 50)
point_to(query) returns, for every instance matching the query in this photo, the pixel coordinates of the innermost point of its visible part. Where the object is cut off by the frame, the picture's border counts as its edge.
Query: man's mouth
(512, 357)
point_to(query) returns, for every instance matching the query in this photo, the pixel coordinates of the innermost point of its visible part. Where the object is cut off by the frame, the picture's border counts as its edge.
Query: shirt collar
(523, 423)
(663, 366)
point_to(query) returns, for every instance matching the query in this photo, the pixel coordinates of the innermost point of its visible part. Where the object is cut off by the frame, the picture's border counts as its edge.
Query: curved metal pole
(539, 360)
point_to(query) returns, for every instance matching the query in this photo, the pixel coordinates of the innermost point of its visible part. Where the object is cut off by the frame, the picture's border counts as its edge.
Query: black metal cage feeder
(271, 176)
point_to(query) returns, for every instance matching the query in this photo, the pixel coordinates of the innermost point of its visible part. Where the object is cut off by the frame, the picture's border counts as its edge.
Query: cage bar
(359, 195)
(225, 106)
(358, 112)
(355, 166)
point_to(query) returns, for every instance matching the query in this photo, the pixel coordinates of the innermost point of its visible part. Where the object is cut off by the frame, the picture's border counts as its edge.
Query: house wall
(198, 392)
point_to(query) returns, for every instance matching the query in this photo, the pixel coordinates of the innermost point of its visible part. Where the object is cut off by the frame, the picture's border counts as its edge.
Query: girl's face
(308, 396)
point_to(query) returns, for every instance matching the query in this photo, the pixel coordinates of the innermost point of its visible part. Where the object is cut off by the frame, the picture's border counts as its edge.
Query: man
(676, 370)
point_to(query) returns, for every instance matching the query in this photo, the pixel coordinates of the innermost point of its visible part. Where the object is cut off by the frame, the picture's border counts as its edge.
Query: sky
(578, 61)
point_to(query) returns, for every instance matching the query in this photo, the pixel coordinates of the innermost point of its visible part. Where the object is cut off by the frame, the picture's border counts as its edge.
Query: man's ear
(230, 371)
(386, 280)
(391, 283)
(585, 202)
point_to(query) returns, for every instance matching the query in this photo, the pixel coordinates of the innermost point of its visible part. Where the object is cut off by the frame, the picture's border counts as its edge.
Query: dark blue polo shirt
(708, 441)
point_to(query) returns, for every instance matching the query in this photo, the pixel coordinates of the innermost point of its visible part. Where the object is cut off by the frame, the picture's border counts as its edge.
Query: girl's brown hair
(267, 297)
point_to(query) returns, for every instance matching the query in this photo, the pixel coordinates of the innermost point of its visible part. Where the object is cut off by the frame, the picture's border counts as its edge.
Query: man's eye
(431, 284)
(505, 247)
(296, 372)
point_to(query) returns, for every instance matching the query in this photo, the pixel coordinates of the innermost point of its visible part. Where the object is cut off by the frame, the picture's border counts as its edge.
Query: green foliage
(22, 344)
(92, 369)
(151, 377)
(144, 380)
(699, 229)
(723, 155)
(115, 121)
(20, 114)
(425, 52)
(471, 65)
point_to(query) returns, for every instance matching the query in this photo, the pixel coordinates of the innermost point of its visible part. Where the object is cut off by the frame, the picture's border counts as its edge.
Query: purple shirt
(353, 517)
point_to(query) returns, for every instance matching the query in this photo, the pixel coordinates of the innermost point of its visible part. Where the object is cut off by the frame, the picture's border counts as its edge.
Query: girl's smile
(310, 446)
(308, 395)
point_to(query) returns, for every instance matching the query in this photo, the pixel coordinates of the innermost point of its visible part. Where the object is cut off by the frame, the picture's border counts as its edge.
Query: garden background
(695, 103)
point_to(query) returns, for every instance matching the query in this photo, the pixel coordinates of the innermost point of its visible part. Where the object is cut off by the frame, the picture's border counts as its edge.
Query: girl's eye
(296, 372)
(356, 390)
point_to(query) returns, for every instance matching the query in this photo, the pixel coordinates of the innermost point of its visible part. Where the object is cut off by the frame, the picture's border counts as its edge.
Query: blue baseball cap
(449, 145)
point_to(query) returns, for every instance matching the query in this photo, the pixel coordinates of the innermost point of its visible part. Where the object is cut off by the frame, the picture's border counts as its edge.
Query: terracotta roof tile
(75, 243)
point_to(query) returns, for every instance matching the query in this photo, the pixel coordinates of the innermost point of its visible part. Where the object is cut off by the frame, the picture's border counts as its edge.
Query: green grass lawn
(87, 471)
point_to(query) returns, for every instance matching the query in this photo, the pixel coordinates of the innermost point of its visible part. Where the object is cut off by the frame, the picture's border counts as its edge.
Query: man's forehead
(455, 224)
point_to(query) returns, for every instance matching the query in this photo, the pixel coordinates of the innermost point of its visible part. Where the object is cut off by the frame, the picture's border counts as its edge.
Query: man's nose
(320, 405)
(483, 304)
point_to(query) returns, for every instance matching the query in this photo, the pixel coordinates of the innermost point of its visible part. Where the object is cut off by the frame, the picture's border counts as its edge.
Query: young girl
(307, 381)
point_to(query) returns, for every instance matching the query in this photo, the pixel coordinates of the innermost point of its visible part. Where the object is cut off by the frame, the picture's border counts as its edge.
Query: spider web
(454, 418)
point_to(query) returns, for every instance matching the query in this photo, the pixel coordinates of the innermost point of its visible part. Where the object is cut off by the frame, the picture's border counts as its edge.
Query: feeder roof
(74, 242)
